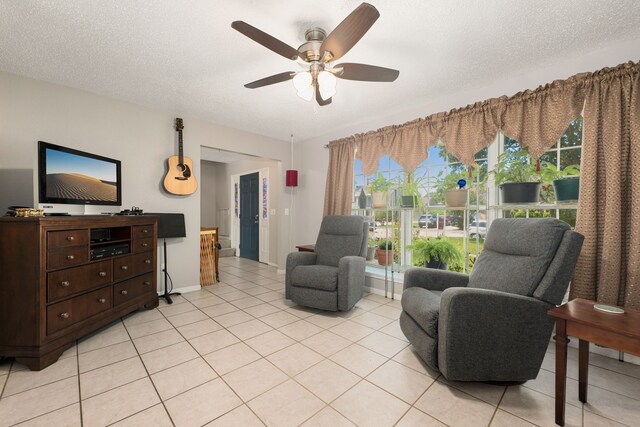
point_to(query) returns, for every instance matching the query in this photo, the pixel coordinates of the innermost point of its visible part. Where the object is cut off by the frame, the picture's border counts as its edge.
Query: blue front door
(249, 216)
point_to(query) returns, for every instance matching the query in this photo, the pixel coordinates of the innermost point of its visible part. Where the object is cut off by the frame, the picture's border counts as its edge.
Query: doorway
(250, 216)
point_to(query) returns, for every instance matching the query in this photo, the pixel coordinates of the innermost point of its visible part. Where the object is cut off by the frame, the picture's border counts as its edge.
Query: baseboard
(183, 290)
(375, 285)
(380, 292)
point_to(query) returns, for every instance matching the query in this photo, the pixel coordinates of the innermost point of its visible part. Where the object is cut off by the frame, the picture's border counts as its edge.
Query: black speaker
(169, 225)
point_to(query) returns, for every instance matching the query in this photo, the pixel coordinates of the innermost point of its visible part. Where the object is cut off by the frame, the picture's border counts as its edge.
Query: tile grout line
(423, 393)
(79, 388)
(4, 386)
(46, 413)
(213, 369)
(590, 385)
(327, 358)
(149, 377)
(498, 405)
(234, 392)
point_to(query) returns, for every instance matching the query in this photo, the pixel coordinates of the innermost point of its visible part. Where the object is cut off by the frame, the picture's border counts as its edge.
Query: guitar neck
(180, 153)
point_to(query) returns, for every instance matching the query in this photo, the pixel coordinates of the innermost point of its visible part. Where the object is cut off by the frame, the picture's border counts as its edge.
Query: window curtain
(536, 118)
(338, 194)
(608, 269)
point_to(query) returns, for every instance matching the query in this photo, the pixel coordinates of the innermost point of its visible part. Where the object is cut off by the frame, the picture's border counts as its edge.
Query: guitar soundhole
(185, 171)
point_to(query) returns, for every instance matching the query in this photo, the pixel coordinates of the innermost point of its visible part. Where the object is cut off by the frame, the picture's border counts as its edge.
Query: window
(566, 152)
(432, 218)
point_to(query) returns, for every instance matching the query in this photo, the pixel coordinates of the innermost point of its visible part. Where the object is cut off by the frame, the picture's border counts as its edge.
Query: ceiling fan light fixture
(326, 84)
(303, 83)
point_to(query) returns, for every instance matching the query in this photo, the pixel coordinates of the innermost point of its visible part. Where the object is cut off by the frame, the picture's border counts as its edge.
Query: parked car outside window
(478, 228)
(427, 221)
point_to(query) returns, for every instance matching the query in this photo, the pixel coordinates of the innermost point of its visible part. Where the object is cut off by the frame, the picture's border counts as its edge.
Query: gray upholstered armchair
(493, 325)
(331, 278)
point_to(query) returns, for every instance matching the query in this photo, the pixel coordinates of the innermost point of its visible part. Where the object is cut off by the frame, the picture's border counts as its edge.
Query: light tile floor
(239, 354)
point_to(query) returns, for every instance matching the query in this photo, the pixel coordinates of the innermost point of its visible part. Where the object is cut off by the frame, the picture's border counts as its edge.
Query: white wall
(209, 187)
(312, 159)
(142, 138)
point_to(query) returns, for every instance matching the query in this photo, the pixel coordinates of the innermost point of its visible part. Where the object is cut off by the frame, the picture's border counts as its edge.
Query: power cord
(170, 289)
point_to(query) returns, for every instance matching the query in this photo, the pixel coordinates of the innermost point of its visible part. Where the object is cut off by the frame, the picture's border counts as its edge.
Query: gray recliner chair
(332, 277)
(493, 325)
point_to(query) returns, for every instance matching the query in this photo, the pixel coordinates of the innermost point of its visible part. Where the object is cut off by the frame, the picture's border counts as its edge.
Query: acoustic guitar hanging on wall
(179, 178)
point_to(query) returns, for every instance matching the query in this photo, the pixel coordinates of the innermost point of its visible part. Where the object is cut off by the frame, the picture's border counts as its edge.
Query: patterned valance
(536, 118)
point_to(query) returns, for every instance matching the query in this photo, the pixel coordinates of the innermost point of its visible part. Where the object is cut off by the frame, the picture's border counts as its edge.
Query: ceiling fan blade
(276, 78)
(349, 31)
(266, 40)
(366, 73)
(319, 99)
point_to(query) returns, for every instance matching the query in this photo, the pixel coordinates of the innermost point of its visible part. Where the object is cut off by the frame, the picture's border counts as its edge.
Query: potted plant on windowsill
(455, 194)
(384, 253)
(409, 189)
(372, 244)
(566, 181)
(517, 177)
(436, 252)
(379, 188)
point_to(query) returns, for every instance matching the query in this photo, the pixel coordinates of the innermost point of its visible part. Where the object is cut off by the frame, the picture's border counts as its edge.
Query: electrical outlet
(162, 267)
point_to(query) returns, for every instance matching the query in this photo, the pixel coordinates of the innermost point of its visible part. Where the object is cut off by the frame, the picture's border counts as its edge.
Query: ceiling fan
(317, 54)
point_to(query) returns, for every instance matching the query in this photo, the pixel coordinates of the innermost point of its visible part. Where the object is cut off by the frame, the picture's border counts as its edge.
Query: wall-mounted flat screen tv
(71, 176)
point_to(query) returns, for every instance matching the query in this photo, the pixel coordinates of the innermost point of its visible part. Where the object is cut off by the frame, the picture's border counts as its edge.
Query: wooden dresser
(64, 277)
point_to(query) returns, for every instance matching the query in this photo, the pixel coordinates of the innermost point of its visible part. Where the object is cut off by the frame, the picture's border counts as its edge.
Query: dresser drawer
(142, 245)
(67, 257)
(67, 238)
(62, 283)
(132, 265)
(66, 313)
(129, 289)
(142, 231)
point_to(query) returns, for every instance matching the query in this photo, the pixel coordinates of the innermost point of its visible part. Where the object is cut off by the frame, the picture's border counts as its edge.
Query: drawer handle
(102, 274)
(71, 238)
(64, 284)
(146, 282)
(64, 315)
(147, 261)
(145, 231)
(124, 267)
(144, 245)
(102, 300)
(70, 257)
(124, 292)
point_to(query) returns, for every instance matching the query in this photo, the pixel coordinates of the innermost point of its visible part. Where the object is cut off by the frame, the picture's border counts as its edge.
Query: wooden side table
(306, 248)
(578, 318)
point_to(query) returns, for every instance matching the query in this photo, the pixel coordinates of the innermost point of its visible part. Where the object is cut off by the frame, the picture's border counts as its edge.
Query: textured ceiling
(183, 56)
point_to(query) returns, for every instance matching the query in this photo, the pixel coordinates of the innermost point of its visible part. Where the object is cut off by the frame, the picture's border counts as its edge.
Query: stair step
(227, 252)
(225, 243)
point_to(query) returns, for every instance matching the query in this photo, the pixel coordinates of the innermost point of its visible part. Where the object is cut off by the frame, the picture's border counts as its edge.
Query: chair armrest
(350, 281)
(500, 329)
(295, 259)
(434, 280)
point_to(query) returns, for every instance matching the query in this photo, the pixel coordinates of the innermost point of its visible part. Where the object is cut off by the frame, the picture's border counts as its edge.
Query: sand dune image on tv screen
(80, 187)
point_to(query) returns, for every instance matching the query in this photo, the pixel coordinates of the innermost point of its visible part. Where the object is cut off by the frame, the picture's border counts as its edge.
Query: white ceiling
(184, 57)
